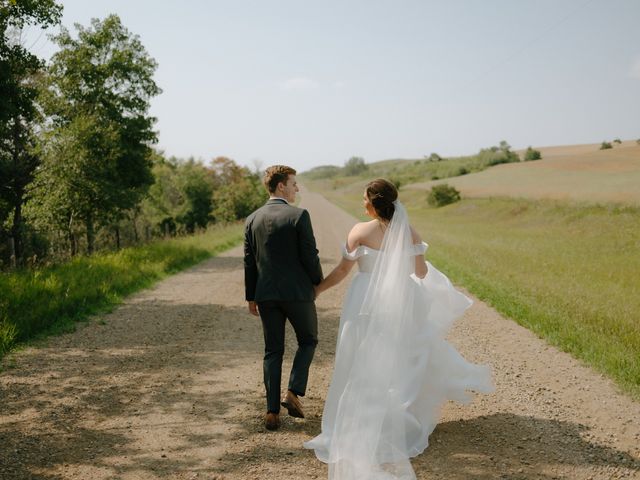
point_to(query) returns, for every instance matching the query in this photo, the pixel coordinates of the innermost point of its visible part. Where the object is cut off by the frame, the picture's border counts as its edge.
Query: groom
(281, 267)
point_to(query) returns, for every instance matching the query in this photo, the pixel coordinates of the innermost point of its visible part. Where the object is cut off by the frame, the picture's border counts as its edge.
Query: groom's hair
(276, 174)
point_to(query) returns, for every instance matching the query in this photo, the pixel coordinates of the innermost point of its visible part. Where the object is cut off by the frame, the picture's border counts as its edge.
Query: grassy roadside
(568, 272)
(51, 300)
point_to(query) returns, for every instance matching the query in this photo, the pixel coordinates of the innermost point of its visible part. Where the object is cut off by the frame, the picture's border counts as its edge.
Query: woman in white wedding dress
(393, 369)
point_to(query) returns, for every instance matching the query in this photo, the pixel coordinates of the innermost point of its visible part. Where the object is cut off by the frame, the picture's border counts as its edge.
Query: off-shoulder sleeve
(353, 256)
(420, 248)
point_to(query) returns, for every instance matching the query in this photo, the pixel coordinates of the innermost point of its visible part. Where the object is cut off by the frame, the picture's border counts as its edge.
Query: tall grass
(51, 299)
(568, 272)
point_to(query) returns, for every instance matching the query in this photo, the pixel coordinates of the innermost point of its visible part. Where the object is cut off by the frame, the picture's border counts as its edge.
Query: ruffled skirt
(436, 373)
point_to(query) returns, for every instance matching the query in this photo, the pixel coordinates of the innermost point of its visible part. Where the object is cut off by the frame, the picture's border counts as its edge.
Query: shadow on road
(158, 389)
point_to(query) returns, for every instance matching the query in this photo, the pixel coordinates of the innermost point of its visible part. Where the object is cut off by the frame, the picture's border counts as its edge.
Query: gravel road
(169, 385)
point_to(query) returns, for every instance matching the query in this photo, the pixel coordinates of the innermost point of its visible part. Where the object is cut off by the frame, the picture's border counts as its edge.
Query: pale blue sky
(312, 83)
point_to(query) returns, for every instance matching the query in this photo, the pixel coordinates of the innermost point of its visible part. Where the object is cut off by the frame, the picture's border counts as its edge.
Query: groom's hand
(253, 308)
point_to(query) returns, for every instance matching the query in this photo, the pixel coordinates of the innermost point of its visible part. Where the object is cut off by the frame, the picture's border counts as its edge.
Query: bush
(434, 157)
(396, 181)
(638, 141)
(605, 146)
(443, 194)
(532, 154)
(618, 141)
(355, 166)
(462, 171)
(497, 155)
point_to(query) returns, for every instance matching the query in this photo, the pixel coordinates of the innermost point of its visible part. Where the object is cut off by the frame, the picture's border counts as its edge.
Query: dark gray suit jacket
(280, 255)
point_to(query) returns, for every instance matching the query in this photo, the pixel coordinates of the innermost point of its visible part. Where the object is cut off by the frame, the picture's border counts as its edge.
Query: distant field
(569, 272)
(581, 173)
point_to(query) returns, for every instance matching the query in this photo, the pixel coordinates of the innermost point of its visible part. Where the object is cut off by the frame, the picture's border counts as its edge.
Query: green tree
(18, 70)
(196, 184)
(75, 182)
(617, 140)
(237, 199)
(188, 195)
(355, 166)
(532, 154)
(227, 171)
(605, 145)
(98, 90)
(165, 202)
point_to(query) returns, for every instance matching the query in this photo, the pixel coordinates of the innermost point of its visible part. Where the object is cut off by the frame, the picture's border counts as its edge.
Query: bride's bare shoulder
(359, 231)
(364, 226)
(362, 229)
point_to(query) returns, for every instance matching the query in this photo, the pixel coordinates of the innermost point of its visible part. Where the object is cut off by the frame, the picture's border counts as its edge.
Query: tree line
(78, 171)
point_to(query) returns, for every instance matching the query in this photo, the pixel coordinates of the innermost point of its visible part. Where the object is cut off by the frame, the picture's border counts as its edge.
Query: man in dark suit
(281, 267)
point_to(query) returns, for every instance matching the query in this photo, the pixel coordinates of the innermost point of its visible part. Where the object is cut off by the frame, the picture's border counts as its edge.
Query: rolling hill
(578, 172)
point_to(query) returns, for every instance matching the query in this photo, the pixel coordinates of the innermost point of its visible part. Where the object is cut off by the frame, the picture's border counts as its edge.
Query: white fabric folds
(394, 369)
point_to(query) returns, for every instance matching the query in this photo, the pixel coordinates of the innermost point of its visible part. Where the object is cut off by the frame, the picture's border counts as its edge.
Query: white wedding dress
(393, 368)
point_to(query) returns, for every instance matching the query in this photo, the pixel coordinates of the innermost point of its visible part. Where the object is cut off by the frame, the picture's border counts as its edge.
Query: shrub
(532, 154)
(354, 166)
(396, 181)
(442, 194)
(462, 171)
(618, 141)
(605, 145)
(638, 141)
(434, 157)
(496, 155)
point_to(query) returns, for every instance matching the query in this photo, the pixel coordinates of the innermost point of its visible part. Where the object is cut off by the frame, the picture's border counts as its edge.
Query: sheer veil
(374, 425)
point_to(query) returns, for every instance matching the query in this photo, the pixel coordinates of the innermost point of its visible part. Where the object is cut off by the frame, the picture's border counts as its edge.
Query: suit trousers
(304, 320)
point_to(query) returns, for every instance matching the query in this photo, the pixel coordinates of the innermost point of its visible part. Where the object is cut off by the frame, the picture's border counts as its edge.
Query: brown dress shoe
(272, 421)
(292, 404)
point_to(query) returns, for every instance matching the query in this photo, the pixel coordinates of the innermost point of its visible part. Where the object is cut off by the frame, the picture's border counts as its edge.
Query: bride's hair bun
(382, 193)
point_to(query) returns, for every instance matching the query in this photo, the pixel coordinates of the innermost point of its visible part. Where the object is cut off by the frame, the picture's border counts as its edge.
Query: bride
(393, 367)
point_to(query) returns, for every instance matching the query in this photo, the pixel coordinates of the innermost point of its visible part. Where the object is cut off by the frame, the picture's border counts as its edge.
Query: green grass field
(569, 272)
(51, 300)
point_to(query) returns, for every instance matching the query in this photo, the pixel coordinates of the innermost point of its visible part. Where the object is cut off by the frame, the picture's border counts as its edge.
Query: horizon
(315, 85)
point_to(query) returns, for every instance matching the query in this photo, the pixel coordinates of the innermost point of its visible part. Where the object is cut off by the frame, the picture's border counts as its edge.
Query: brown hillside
(575, 172)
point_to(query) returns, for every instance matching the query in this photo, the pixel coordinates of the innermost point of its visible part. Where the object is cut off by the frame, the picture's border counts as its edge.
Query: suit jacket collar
(276, 200)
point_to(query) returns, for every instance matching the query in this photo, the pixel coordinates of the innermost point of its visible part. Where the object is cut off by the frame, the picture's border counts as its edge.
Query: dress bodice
(366, 256)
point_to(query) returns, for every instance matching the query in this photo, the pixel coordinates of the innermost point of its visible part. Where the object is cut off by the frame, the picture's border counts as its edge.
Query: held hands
(253, 308)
